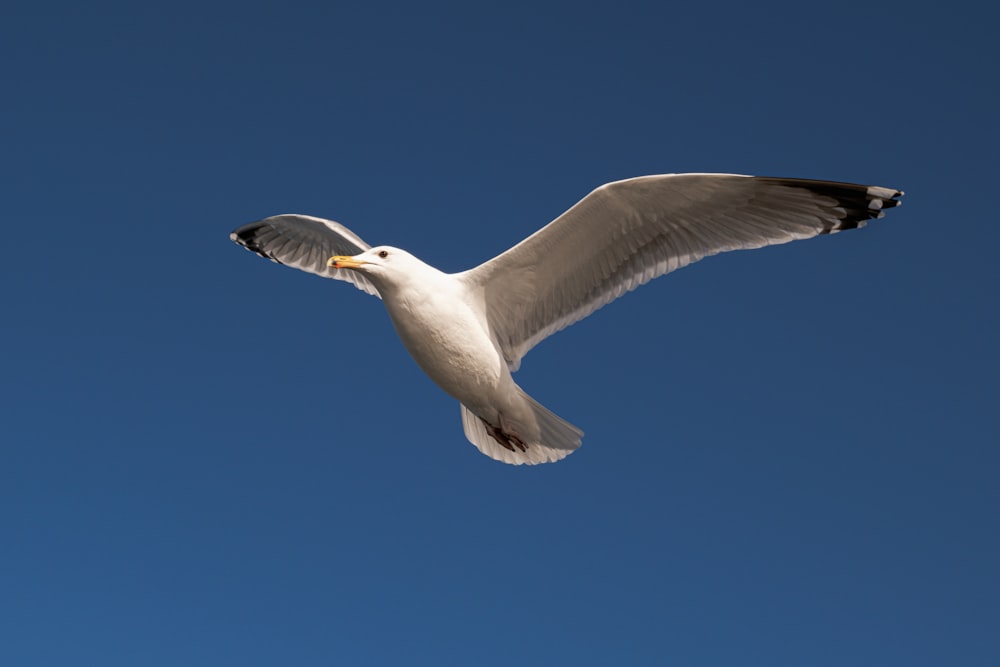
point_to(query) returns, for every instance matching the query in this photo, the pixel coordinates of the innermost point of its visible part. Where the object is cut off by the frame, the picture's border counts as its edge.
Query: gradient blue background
(791, 455)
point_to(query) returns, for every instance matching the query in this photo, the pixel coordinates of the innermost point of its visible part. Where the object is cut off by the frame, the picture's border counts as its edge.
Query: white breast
(446, 335)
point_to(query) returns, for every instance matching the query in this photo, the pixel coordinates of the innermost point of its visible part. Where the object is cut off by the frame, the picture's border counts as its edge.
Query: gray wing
(304, 242)
(626, 233)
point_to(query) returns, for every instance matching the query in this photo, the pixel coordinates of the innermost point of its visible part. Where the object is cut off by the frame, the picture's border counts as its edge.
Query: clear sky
(791, 455)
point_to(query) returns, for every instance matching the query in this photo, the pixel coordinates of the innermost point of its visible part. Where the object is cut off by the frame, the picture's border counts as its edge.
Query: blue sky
(790, 455)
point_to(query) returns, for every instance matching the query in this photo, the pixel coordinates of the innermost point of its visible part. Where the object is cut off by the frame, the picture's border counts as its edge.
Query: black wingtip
(854, 205)
(250, 237)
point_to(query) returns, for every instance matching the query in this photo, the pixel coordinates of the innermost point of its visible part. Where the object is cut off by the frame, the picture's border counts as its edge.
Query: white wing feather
(306, 243)
(626, 233)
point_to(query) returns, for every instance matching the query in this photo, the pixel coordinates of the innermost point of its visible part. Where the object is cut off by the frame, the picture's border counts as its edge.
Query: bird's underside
(620, 236)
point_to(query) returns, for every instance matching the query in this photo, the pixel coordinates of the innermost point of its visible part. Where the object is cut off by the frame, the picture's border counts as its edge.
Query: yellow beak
(344, 262)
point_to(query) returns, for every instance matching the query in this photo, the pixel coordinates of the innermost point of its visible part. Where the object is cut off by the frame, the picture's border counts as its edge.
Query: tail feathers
(557, 440)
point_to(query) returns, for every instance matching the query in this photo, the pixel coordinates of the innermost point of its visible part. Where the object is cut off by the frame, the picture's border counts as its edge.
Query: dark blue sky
(791, 454)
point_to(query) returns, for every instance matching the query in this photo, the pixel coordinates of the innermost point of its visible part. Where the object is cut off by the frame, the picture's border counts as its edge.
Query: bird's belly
(453, 349)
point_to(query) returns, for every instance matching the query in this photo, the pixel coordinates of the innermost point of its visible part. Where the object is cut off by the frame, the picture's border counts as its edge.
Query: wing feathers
(626, 233)
(305, 243)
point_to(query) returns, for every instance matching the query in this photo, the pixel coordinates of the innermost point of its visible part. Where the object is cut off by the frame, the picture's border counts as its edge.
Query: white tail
(558, 437)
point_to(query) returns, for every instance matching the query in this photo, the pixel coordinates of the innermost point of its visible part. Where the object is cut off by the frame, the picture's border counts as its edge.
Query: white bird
(469, 331)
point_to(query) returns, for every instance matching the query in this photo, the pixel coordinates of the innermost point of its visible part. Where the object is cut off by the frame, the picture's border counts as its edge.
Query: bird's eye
(383, 253)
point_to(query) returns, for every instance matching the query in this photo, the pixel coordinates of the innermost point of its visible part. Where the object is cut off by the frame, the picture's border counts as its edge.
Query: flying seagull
(469, 331)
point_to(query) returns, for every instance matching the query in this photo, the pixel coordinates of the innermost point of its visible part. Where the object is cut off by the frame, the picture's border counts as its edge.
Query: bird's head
(384, 265)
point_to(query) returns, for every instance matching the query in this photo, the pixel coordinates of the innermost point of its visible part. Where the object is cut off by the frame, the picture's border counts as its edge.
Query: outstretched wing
(304, 242)
(626, 233)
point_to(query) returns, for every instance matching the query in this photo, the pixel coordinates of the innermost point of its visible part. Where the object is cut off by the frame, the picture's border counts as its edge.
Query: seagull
(469, 331)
